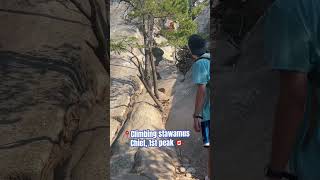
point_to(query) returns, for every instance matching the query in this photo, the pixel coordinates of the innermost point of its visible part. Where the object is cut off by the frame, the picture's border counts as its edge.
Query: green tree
(127, 45)
(145, 12)
(184, 15)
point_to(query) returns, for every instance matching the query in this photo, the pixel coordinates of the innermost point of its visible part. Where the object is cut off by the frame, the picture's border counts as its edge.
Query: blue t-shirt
(293, 43)
(201, 75)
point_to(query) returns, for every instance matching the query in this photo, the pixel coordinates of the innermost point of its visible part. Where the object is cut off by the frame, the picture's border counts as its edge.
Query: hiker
(201, 77)
(158, 54)
(292, 44)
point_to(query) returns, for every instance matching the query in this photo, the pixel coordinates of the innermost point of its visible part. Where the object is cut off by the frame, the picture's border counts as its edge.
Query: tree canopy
(182, 12)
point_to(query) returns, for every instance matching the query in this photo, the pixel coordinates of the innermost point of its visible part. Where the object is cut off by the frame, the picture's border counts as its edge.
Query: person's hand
(197, 124)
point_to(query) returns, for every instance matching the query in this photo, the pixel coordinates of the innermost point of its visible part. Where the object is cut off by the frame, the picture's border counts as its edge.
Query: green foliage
(181, 15)
(176, 10)
(179, 38)
(158, 8)
(123, 44)
(175, 7)
(205, 36)
(198, 9)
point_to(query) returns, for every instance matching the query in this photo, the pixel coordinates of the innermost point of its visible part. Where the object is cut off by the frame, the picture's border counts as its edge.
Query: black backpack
(209, 83)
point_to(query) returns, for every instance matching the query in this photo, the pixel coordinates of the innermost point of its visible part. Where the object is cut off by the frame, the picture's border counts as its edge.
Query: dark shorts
(205, 130)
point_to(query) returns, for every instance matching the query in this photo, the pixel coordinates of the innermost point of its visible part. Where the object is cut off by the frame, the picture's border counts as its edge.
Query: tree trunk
(146, 52)
(150, 45)
(190, 6)
(149, 89)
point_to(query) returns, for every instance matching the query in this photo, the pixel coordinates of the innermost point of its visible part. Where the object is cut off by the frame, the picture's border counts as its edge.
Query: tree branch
(141, 77)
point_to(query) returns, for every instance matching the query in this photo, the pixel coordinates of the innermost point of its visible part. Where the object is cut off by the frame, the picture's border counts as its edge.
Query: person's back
(201, 78)
(293, 44)
(201, 74)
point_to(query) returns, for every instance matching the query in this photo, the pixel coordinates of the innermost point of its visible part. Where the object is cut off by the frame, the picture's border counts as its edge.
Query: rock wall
(125, 84)
(203, 21)
(53, 92)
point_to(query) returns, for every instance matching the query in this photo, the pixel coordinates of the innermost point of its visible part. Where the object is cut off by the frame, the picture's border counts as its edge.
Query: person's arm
(288, 117)
(200, 78)
(199, 102)
(287, 50)
(201, 92)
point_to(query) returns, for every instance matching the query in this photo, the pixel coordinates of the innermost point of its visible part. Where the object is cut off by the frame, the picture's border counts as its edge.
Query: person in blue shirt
(201, 77)
(293, 48)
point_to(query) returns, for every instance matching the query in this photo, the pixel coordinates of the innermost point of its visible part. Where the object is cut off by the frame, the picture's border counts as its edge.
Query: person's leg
(205, 125)
(158, 75)
(205, 129)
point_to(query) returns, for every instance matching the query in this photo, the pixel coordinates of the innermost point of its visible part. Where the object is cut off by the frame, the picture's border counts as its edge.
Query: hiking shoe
(207, 144)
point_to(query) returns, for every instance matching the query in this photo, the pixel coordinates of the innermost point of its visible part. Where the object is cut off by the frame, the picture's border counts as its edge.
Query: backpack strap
(208, 85)
(203, 58)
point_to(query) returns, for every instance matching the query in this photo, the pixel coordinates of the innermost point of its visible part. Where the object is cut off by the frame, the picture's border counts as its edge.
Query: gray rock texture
(124, 81)
(132, 108)
(203, 21)
(53, 93)
(151, 162)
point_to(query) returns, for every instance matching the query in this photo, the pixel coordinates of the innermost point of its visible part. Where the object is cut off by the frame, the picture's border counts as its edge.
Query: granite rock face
(203, 21)
(124, 81)
(53, 93)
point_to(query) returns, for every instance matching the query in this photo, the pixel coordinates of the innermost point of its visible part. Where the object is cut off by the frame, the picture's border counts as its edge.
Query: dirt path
(192, 155)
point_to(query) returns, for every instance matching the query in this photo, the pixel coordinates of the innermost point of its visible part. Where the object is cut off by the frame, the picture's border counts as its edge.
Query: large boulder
(152, 162)
(168, 50)
(53, 93)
